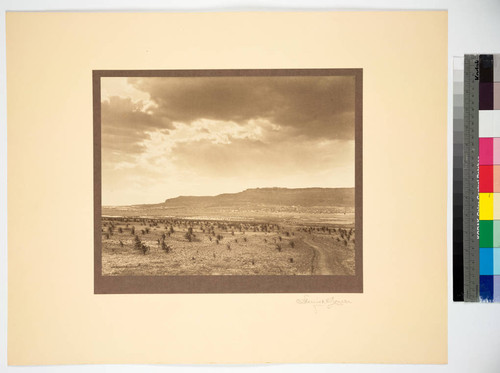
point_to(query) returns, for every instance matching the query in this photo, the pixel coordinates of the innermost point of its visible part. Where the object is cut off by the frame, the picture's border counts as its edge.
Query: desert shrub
(291, 260)
(137, 243)
(165, 247)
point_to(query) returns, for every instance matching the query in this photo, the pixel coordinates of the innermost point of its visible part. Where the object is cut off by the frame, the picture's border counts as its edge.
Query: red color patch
(485, 179)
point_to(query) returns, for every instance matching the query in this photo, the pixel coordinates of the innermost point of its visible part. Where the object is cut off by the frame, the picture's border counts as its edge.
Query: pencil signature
(325, 303)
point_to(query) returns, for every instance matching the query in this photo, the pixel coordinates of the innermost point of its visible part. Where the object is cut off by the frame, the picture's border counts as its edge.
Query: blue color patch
(486, 288)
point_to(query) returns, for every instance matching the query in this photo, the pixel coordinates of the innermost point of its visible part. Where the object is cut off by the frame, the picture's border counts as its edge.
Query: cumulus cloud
(312, 106)
(124, 124)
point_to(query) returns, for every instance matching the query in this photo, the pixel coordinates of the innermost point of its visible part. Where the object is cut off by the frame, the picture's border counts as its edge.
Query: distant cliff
(304, 197)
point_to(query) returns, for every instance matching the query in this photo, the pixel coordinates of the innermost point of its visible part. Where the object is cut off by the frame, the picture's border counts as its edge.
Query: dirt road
(325, 262)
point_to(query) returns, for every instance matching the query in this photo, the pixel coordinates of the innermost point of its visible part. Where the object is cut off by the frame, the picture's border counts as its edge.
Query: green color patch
(486, 233)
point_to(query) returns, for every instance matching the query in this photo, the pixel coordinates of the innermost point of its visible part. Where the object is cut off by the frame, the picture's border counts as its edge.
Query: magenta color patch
(496, 150)
(486, 150)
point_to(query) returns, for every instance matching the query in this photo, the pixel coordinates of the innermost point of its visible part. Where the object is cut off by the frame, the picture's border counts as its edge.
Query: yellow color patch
(485, 206)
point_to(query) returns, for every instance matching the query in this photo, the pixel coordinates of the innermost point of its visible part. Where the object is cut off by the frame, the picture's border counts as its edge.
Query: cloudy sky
(163, 137)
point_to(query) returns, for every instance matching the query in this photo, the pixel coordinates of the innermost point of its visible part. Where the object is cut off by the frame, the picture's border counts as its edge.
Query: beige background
(54, 317)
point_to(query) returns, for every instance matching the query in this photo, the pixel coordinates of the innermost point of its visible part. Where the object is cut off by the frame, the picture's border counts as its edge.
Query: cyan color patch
(496, 261)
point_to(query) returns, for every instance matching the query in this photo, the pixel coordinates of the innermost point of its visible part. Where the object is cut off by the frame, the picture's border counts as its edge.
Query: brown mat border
(228, 283)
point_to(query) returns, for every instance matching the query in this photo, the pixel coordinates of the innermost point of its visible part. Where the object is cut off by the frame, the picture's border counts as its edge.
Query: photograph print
(228, 181)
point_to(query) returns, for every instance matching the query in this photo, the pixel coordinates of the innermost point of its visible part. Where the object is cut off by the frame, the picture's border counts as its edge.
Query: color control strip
(489, 178)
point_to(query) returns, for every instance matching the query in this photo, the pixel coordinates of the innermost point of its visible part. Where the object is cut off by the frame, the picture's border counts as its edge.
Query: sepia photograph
(228, 174)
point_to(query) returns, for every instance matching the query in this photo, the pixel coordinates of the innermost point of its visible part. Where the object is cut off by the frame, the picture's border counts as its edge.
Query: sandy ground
(241, 250)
